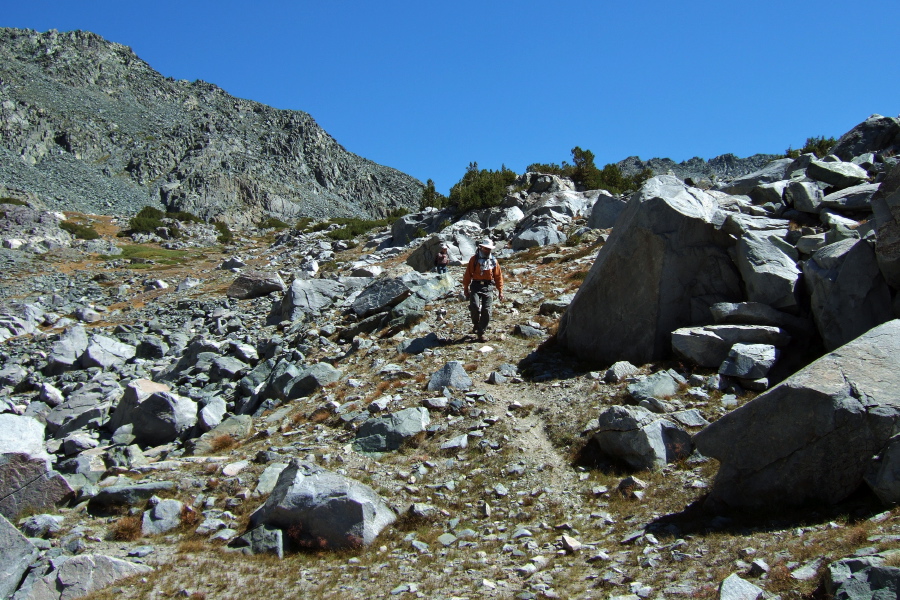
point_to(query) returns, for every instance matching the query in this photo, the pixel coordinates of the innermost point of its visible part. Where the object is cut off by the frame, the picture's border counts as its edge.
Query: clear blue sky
(428, 86)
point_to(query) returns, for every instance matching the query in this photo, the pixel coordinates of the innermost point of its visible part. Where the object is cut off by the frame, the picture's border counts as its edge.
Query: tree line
(484, 188)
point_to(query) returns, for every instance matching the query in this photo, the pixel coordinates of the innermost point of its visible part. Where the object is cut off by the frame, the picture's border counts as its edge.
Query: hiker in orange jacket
(482, 273)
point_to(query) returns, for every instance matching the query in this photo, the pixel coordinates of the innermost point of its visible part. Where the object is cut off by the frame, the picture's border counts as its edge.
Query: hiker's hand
(466, 294)
(501, 296)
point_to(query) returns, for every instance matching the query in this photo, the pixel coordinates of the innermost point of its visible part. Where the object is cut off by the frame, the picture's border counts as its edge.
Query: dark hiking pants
(480, 297)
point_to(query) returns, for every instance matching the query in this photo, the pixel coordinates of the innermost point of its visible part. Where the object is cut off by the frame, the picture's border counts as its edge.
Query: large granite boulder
(80, 575)
(382, 294)
(640, 438)
(837, 174)
(161, 418)
(308, 297)
(387, 433)
(16, 554)
(872, 135)
(848, 294)
(708, 345)
(27, 481)
(65, 352)
(320, 509)
(769, 272)
(813, 437)
(774, 171)
(861, 577)
(886, 207)
(254, 284)
(666, 260)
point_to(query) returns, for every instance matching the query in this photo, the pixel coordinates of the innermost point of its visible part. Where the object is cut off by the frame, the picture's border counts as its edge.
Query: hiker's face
(484, 250)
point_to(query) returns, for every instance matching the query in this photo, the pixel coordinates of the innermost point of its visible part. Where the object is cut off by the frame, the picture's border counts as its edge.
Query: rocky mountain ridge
(87, 125)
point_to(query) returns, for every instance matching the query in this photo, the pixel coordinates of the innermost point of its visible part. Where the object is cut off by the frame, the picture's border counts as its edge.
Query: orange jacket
(474, 273)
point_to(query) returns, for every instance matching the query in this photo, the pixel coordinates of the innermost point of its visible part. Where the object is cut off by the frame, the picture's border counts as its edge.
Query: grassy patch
(82, 232)
(13, 201)
(152, 253)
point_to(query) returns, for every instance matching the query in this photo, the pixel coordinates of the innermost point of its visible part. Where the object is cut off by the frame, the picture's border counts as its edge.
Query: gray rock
(605, 210)
(640, 438)
(27, 481)
(310, 379)
(768, 193)
(263, 540)
(211, 415)
(389, 432)
(756, 313)
(128, 495)
(38, 526)
(872, 135)
(708, 346)
(227, 368)
(812, 437)
(552, 307)
(805, 196)
(773, 171)
(16, 554)
(666, 252)
(460, 249)
(13, 375)
(106, 352)
(658, 385)
(451, 375)
(619, 371)
(309, 297)
(861, 578)
(749, 361)
(163, 516)
(64, 354)
(254, 284)
(419, 345)
(322, 509)
(380, 295)
(536, 236)
(735, 588)
(135, 392)
(527, 331)
(848, 294)
(269, 478)
(161, 418)
(837, 174)
(237, 427)
(884, 474)
(769, 273)
(856, 198)
(886, 206)
(80, 575)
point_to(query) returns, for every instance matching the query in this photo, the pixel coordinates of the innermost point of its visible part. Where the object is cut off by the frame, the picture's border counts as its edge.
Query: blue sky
(427, 87)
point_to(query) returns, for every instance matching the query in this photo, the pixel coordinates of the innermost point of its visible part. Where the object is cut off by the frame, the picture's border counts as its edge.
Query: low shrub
(127, 529)
(273, 223)
(82, 232)
(225, 234)
(13, 201)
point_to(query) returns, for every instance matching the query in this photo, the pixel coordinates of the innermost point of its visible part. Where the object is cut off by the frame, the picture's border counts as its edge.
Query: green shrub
(480, 188)
(431, 197)
(225, 234)
(183, 216)
(444, 224)
(820, 146)
(82, 232)
(419, 233)
(13, 201)
(586, 174)
(273, 223)
(303, 224)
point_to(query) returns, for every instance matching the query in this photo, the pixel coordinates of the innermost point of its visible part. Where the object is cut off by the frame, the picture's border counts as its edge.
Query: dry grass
(223, 442)
(127, 529)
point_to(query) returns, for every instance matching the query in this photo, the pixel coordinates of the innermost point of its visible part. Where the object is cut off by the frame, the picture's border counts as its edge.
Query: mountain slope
(87, 125)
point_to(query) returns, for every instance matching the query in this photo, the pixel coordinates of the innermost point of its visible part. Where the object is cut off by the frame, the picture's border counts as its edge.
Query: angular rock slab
(26, 480)
(309, 297)
(666, 252)
(81, 575)
(162, 418)
(389, 432)
(708, 346)
(848, 293)
(863, 577)
(16, 554)
(320, 509)
(812, 437)
(768, 272)
(452, 375)
(254, 284)
(642, 439)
